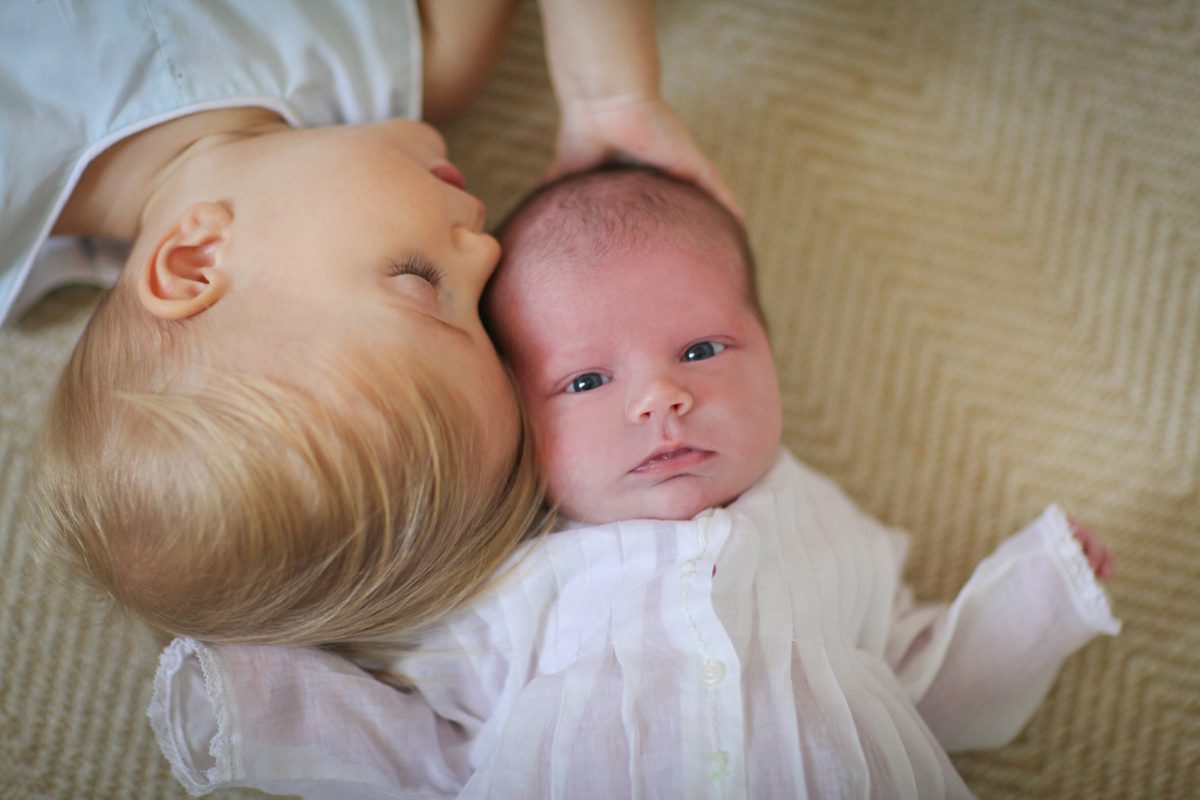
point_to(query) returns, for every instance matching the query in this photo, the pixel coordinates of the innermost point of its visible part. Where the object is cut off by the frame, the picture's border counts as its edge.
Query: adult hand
(636, 129)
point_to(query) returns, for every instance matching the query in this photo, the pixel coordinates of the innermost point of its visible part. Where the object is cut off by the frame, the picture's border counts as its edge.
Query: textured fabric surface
(979, 254)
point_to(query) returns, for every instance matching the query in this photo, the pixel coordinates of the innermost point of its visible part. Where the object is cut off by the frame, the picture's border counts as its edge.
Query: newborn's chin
(680, 498)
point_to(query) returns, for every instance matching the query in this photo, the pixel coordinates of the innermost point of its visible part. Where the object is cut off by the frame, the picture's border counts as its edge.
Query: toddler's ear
(183, 275)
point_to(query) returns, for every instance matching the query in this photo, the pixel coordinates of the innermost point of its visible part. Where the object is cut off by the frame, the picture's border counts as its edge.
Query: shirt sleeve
(978, 668)
(298, 721)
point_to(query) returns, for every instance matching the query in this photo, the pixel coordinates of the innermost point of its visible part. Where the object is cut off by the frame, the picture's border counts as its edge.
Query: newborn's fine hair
(584, 218)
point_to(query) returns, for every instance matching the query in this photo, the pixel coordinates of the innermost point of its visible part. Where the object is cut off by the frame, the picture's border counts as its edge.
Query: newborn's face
(648, 377)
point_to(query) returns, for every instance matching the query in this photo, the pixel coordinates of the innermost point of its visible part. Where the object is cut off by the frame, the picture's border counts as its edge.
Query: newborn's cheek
(573, 486)
(556, 464)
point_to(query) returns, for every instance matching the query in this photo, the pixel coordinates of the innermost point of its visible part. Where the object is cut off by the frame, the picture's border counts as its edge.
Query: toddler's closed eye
(415, 265)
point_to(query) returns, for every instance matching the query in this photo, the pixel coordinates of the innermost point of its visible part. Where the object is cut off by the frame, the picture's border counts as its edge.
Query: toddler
(267, 431)
(714, 620)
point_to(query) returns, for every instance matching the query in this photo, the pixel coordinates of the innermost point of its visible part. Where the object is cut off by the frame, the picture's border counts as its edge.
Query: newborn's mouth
(675, 458)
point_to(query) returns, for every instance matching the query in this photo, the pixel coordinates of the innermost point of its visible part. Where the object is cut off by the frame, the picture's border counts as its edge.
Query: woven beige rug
(979, 231)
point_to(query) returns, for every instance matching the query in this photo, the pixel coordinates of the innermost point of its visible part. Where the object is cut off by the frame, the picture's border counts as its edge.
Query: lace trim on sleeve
(164, 713)
(1086, 592)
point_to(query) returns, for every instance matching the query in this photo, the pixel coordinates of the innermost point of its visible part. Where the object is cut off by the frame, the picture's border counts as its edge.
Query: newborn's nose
(659, 399)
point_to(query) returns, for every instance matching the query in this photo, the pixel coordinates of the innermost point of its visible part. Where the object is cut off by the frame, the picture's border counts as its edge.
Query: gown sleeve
(299, 721)
(979, 667)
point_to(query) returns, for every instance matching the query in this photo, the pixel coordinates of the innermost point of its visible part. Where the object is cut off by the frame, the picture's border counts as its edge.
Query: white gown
(767, 649)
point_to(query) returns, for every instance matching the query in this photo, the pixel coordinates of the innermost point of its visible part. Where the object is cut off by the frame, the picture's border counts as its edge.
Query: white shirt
(767, 649)
(79, 76)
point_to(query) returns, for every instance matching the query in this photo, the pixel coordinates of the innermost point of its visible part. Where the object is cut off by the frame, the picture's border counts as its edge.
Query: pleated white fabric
(767, 649)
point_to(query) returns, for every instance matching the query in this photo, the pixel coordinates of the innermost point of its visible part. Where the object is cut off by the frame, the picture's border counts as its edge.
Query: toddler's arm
(603, 60)
(978, 669)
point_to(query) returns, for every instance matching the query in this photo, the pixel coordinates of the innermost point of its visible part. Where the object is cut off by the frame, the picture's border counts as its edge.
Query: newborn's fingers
(1106, 564)
(1098, 556)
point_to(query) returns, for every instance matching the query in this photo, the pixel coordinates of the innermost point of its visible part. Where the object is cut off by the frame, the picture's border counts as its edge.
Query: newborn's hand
(1097, 553)
(642, 130)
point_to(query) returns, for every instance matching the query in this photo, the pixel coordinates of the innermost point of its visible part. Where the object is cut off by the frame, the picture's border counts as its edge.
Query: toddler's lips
(676, 459)
(451, 175)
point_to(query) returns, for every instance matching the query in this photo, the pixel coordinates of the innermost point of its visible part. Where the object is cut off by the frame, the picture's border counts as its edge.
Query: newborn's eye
(702, 350)
(418, 266)
(587, 382)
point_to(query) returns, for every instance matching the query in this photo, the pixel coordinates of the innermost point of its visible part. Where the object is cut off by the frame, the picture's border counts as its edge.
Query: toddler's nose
(659, 399)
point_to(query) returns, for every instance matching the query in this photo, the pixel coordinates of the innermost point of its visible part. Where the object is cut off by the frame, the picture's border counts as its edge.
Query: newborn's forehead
(565, 309)
(584, 271)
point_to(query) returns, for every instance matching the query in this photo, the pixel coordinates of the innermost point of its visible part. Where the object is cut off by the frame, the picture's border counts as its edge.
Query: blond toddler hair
(235, 506)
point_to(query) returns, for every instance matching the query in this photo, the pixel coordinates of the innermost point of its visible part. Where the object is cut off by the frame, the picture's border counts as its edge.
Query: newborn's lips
(673, 458)
(450, 174)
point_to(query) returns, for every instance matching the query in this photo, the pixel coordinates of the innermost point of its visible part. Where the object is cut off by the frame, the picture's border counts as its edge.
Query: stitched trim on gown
(169, 665)
(1086, 592)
